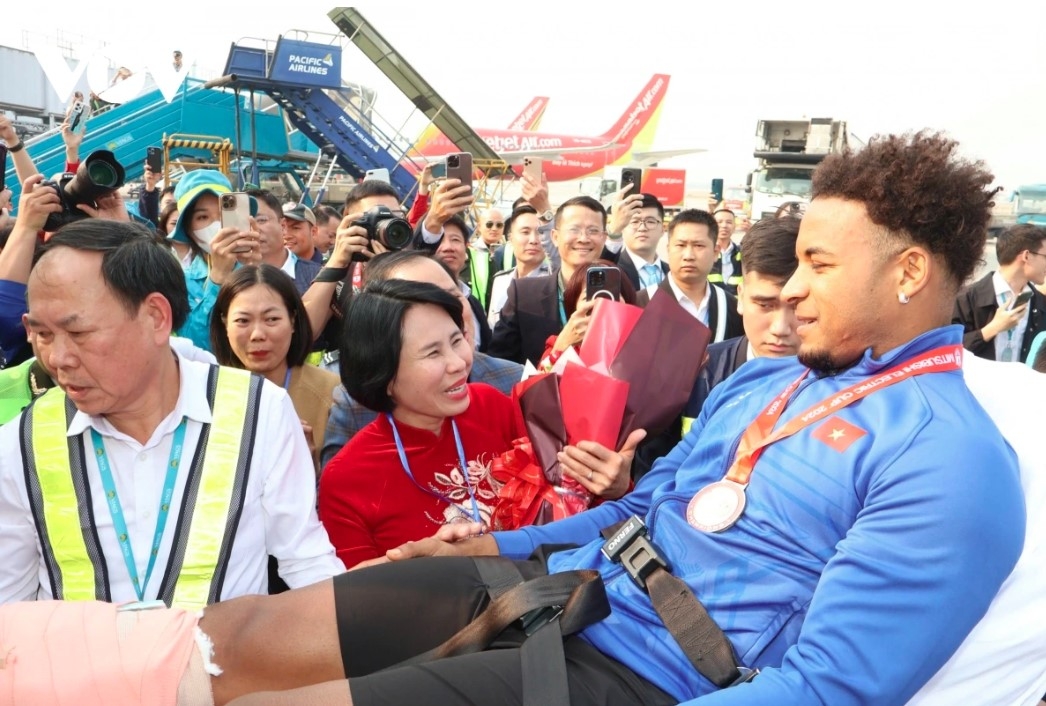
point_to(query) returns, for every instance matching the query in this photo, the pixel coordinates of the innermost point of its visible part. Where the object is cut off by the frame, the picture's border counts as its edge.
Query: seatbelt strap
(698, 636)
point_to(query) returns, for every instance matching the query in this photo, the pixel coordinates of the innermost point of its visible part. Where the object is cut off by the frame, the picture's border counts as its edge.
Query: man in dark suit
(1001, 312)
(638, 259)
(691, 252)
(534, 310)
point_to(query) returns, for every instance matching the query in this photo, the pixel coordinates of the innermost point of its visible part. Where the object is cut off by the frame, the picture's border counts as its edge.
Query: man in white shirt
(147, 475)
(691, 252)
(524, 237)
(1003, 660)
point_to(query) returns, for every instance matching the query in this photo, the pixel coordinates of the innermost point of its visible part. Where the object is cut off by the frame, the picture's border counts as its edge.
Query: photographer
(352, 248)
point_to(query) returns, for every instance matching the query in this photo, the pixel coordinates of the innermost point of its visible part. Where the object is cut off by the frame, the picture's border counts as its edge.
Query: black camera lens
(103, 174)
(395, 233)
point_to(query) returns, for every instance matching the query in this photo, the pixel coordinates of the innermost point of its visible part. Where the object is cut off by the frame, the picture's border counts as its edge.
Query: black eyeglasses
(492, 224)
(1040, 254)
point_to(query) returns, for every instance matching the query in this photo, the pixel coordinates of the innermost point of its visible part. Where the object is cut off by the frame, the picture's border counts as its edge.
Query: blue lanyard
(116, 509)
(287, 378)
(562, 310)
(461, 459)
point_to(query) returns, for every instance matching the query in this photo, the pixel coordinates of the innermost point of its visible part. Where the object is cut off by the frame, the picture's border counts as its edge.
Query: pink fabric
(75, 654)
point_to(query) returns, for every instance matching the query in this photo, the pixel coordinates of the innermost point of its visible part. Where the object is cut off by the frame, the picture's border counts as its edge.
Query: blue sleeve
(337, 433)
(149, 205)
(585, 527)
(197, 326)
(12, 306)
(940, 530)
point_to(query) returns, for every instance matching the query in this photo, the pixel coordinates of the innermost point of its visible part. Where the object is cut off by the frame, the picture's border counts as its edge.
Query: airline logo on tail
(531, 115)
(652, 97)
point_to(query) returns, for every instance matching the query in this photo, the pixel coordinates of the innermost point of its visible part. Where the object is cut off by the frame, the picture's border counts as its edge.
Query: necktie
(651, 275)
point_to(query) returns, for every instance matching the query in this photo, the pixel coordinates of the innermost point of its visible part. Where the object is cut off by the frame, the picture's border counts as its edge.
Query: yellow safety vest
(213, 500)
(479, 275)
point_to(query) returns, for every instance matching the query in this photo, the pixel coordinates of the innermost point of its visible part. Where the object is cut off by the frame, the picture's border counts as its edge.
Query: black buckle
(538, 618)
(638, 555)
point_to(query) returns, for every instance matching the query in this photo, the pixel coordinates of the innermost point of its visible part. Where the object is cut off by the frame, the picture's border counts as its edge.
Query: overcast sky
(884, 66)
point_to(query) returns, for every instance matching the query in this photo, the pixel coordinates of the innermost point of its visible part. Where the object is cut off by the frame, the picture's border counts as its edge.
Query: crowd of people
(265, 465)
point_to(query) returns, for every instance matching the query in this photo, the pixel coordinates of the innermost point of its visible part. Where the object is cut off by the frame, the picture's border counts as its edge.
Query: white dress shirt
(1003, 660)
(699, 310)
(279, 511)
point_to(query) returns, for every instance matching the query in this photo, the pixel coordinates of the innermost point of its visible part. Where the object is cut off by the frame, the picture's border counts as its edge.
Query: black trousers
(392, 612)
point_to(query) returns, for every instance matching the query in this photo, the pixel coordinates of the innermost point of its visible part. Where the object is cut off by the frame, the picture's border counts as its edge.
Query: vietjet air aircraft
(568, 157)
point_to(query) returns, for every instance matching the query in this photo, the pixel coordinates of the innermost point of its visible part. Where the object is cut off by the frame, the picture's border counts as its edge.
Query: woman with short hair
(426, 461)
(260, 324)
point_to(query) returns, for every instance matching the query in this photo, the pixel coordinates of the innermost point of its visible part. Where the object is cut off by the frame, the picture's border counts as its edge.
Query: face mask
(204, 236)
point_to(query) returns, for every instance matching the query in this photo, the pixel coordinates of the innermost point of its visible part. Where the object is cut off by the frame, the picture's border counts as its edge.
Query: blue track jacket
(854, 572)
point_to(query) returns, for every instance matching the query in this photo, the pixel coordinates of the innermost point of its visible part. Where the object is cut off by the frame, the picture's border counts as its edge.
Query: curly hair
(916, 187)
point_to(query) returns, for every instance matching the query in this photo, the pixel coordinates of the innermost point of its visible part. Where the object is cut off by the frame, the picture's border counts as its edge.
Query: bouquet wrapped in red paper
(635, 371)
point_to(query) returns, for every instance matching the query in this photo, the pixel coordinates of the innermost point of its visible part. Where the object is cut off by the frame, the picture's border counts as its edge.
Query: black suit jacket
(976, 305)
(629, 268)
(734, 326)
(528, 318)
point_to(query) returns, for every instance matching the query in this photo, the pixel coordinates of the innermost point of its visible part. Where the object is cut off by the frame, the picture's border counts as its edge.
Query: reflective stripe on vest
(479, 266)
(64, 523)
(721, 313)
(212, 502)
(220, 493)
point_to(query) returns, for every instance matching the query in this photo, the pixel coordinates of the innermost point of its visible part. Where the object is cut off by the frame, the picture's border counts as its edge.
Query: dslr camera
(381, 225)
(98, 175)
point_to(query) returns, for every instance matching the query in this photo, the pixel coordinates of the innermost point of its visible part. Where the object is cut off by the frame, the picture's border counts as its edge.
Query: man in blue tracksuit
(882, 509)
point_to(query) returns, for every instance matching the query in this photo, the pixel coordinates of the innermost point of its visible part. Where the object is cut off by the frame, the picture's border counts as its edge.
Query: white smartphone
(377, 175)
(532, 168)
(236, 213)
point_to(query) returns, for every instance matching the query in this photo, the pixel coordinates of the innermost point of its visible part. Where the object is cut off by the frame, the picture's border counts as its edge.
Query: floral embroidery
(454, 486)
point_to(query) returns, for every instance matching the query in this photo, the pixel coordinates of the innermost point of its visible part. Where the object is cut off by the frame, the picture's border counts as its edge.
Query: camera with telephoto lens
(98, 175)
(381, 225)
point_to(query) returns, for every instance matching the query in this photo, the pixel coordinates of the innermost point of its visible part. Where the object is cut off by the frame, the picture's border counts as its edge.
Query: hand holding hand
(463, 539)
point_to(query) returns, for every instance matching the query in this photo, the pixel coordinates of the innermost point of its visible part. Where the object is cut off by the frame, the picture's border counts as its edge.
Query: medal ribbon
(758, 434)
(116, 508)
(461, 460)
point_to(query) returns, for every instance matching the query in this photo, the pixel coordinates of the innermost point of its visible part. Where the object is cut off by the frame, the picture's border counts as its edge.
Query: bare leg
(275, 643)
(332, 693)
